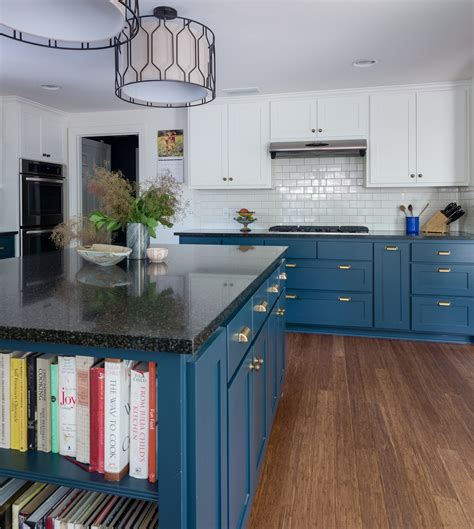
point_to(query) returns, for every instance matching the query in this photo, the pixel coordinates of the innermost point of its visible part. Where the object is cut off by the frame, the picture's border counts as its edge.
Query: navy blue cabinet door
(207, 401)
(261, 360)
(392, 286)
(240, 403)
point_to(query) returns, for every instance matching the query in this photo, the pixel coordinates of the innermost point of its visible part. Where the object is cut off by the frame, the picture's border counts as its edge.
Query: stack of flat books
(99, 413)
(25, 504)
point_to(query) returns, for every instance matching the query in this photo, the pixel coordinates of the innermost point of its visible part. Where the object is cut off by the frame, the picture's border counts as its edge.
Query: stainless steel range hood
(313, 149)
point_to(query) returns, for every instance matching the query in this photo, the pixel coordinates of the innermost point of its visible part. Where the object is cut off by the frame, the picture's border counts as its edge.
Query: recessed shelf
(55, 469)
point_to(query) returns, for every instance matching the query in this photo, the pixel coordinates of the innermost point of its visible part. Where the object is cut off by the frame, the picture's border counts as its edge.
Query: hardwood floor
(371, 434)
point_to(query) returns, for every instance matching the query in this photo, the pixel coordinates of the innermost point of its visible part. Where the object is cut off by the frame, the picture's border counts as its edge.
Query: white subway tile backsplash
(321, 191)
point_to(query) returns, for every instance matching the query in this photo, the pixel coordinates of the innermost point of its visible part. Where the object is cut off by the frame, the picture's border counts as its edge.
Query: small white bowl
(103, 254)
(157, 255)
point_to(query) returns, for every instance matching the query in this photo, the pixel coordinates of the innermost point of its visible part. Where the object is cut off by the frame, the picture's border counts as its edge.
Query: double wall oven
(42, 199)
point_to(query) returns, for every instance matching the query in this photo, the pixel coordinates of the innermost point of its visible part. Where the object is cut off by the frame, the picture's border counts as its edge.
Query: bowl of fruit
(245, 217)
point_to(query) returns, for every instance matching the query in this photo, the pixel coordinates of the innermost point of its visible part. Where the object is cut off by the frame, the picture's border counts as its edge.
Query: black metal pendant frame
(128, 32)
(128, 69)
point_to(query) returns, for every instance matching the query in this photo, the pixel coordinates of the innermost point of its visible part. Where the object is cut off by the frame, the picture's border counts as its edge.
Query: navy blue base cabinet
(7, 246)
(420, 288)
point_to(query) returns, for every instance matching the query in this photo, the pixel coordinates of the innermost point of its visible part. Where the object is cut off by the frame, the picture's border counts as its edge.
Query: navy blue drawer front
(355, 251)
(296, 248)
(341, 309)
(450, 279)
(443, 314)
(443, 252)
(243, 241)
(239, 336)
(330, 275)
(200, 240)
(7, 246)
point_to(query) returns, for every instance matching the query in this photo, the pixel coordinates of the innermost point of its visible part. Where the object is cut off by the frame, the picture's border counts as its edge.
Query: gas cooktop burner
(321, 229)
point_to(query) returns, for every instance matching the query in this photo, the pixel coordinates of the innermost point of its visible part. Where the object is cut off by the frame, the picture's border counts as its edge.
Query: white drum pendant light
(170, 63)
(70, 24)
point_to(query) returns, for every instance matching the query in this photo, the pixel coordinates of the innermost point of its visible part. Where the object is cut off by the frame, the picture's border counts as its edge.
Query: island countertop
(58, 298)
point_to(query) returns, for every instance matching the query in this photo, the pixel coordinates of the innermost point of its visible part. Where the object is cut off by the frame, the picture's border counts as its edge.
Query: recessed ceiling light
(364, 63)
(248, 90)
(50, 87)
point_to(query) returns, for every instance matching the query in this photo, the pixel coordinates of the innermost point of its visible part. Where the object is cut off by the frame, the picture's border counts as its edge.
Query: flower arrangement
(123, 202)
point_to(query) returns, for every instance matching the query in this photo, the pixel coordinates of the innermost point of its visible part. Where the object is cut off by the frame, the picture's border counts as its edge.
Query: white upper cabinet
(228, 146)
(249, 161)
(442, 137)
(42, 134)
(293, 119)
(207, 140)
(392, 145)
(419, 139)
(331, 117)
(343, 117)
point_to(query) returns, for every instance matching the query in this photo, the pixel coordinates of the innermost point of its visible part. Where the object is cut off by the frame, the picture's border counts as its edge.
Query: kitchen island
(213, 321)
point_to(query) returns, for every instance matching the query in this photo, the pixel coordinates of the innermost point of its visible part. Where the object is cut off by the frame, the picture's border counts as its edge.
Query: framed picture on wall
(170, 147)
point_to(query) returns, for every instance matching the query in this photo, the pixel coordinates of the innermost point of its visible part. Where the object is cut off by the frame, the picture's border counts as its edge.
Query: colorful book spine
(54, 408)
(31, 399)
(43, 402)
(18, 405)
(83, 366)
(152, 424)
(97, 395)
(117, 418)
(139, 420)
(67, 405)
(5, 359)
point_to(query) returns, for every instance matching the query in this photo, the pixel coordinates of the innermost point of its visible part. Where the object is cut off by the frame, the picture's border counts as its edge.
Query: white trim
(75, 134)
(40, 106)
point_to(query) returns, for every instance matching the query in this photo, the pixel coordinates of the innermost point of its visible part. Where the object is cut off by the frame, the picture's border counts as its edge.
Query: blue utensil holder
(413, 225)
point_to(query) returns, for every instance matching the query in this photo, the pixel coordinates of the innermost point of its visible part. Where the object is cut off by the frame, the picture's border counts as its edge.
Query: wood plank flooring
(371, 434)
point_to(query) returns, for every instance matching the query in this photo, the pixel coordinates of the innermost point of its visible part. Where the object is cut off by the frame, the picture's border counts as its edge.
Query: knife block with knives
(440, 222)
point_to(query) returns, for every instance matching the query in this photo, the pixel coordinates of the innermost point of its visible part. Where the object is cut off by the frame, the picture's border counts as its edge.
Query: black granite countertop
(174, 306)
(398, 235)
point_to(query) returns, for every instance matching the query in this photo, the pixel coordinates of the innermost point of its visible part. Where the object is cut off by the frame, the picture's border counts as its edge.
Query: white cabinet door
(207, 165)
(53, 137)
(392, 142)
(293, 120)
(249, 160)
(343, 116)
(442, 137)
(30, 133)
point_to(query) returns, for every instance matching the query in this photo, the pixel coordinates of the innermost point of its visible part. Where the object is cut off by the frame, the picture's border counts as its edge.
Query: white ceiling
(277, 46)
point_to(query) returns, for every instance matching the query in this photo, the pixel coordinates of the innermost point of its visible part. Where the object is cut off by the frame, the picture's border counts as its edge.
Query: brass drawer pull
(344, 267)
(444, 270)
(261, 307)
(345, 299)
(244, 334)
(391, 248)
(290, 265)
(282, 276)
(2, 248)
(273, 289)
(444, 252)
(444, 303)
(280, 312)
(291, 296)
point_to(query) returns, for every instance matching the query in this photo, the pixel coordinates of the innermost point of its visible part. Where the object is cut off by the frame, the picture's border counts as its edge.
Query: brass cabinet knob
(444, 252)
(345, 299)
(391, 248)
(251, 366)
(244, 334)
(444, 303)
(444, 270)
(257, 367)
(412, 175)
(282, 276)
(290, 265)
(291, 296)
(273, 289)
(344, 267)
(261, 307)
(257, 361)
(280, 312)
